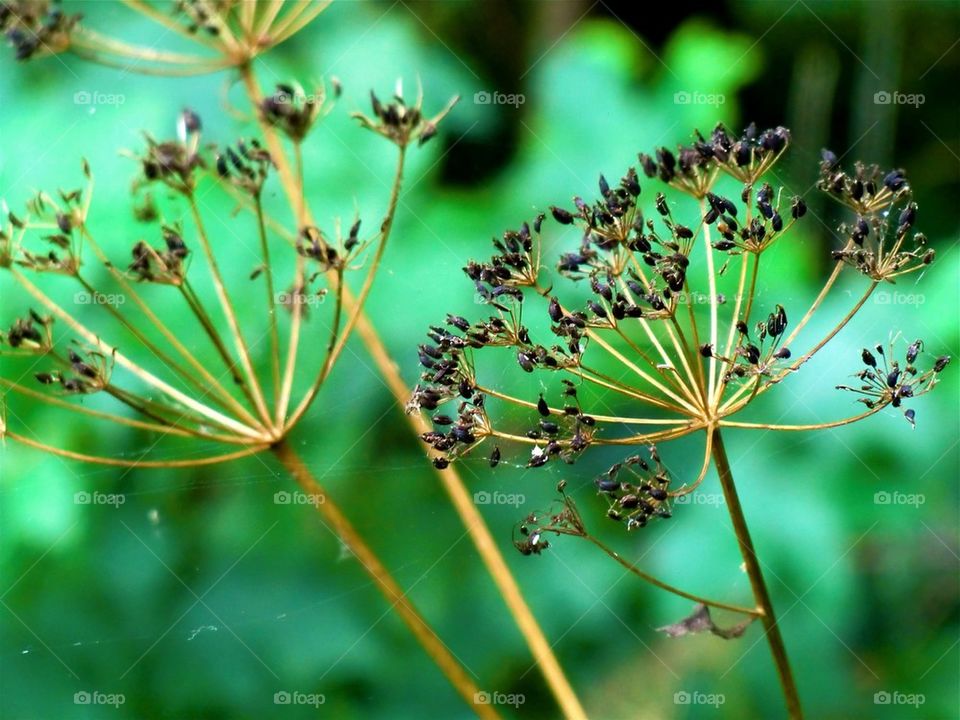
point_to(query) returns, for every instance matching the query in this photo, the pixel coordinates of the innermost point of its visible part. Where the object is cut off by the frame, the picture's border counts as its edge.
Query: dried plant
(618, 322)
(135, 367)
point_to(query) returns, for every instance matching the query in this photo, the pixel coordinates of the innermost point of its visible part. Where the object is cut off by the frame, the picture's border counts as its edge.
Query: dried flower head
(36, 27)
(401, 123)
(629, 301)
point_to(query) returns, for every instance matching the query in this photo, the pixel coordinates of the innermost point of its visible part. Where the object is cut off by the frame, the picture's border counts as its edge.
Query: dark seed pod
(542, 407)
(495, 457)
(562, 216)
(914, 350)
(441, 463)
(798, 208)
(868, 358)
(556, 313)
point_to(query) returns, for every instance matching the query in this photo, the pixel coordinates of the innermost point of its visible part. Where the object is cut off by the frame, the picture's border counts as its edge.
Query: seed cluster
(292, 111)
(887, 382)
(399, 122)
(632, 274)
(36, 27)
(637, 491)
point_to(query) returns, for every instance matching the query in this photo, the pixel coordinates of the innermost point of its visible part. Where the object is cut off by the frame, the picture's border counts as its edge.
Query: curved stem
(428, 639)
(813, 426)
(134, 368)
(632, 567)
(165, 428)
(760, 592)
(115, 462)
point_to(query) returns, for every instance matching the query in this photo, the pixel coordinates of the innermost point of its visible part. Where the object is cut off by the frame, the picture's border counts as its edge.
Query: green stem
(760, 593)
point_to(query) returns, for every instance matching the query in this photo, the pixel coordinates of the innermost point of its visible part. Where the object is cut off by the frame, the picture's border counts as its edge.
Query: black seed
(542, 407)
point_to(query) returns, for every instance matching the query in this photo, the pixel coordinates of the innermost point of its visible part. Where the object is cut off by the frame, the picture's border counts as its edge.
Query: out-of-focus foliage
(201, 597)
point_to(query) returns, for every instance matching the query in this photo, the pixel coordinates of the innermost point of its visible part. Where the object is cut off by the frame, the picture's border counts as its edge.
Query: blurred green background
(200, 597)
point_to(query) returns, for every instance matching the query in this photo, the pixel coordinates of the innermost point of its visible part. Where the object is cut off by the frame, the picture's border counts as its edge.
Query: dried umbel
(640, 309)
(239, 403)
(36, 27)
(632, 316)
(228, 33)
